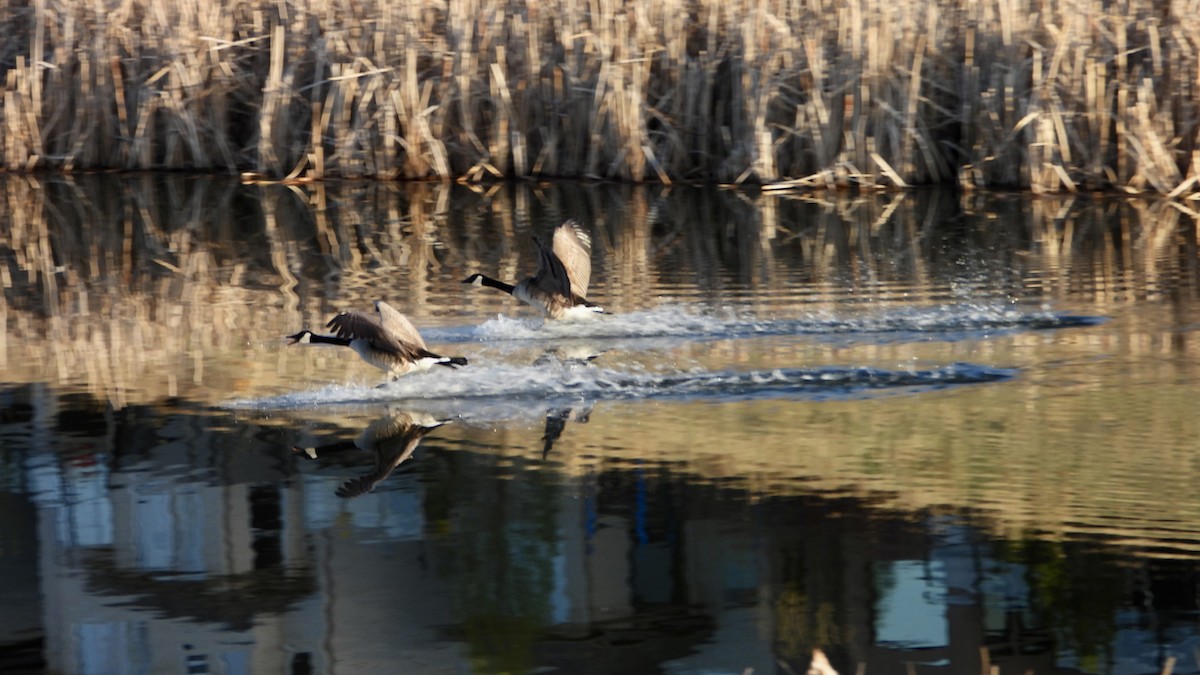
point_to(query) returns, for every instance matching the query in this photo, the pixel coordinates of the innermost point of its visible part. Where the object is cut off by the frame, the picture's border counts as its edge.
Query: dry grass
(1048, 95)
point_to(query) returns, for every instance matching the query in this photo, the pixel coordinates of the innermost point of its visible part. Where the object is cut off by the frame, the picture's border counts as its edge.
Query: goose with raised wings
(558, 289)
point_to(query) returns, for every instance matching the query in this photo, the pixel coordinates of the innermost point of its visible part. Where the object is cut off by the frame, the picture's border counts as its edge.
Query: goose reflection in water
(556, 421)
(392, 439)
(572, 356)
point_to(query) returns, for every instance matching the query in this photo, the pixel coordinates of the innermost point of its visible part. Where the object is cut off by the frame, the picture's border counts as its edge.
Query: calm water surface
(922, 433)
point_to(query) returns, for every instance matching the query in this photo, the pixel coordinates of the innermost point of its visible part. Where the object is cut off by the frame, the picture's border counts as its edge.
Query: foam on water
(948, 321)
(508, 391)
(500, 390)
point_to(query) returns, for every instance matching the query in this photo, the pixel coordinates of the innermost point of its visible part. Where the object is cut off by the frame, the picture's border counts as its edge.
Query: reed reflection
(132, 288)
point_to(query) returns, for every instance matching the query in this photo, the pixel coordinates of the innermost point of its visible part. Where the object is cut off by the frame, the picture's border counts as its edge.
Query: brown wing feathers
(354, 325)
(573, 248)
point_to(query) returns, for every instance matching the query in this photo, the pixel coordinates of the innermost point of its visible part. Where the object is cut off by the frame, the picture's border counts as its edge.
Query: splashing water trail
(497, 387)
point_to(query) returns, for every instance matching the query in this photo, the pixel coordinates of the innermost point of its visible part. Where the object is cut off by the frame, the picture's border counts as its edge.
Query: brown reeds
(1048, 95)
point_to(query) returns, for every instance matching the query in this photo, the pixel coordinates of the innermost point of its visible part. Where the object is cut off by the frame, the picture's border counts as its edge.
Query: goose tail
(452, 361)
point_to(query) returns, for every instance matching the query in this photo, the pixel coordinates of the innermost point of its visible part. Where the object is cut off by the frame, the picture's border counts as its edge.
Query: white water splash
(517, 391)
(948, 321)
(564, 375)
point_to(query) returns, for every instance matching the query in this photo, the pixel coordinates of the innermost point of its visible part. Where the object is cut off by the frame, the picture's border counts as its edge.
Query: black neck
(488, 281)
(328, 340)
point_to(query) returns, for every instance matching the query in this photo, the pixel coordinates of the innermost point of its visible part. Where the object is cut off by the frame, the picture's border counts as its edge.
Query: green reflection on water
(496, 540)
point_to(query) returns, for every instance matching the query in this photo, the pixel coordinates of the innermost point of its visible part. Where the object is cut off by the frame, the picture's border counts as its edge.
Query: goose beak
(293, 339)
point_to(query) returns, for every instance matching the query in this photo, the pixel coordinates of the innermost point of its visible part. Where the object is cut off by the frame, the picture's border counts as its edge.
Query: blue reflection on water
(911, 612)
(459, 545)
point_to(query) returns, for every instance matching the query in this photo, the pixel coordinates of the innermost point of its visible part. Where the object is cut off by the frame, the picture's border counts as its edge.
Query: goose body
(387, 341)
(558, 289)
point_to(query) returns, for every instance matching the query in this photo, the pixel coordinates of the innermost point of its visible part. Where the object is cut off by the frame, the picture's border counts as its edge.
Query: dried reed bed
(1048, 95)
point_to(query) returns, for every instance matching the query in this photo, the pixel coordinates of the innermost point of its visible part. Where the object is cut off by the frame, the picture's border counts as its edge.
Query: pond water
(921, 432)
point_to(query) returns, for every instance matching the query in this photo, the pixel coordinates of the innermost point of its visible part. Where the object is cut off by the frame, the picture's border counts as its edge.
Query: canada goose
(559, 287)
(392, 438)
(389, 342)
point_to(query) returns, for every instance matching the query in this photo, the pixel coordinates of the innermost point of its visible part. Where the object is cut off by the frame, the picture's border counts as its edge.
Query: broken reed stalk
(1047, 95)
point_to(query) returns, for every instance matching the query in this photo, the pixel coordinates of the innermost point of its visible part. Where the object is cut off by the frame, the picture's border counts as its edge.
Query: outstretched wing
(573, 248)
(399, 326)
(551, 276)
(356, 326)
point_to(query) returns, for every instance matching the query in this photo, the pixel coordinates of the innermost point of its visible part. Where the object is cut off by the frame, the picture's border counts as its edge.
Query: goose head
(303, 337)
